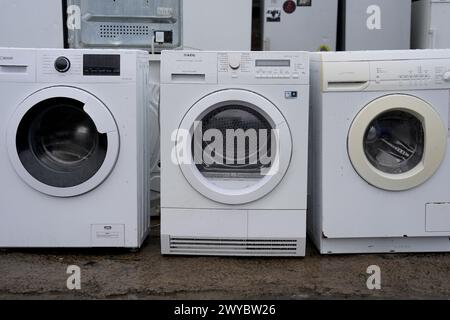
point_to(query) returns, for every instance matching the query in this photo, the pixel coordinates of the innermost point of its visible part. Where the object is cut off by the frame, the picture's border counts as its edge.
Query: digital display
(101, 65)
(273, 63)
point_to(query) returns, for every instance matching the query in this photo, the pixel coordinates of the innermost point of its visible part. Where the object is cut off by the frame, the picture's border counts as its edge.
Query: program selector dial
(62, 64)
(235, 62)
(447, 76)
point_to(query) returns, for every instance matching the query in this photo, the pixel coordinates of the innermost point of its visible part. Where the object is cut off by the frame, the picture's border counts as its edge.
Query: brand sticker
(273, 15)
(291, 94)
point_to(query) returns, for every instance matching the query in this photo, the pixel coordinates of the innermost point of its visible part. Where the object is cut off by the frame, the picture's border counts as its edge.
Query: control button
(235, 62)
(62, 64)
(447, 76)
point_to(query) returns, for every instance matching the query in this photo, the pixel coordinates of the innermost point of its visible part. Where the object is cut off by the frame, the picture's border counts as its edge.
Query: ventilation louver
(235, 247)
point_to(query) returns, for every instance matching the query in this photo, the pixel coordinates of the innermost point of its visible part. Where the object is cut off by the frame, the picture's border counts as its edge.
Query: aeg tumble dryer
(234, 151)
(430, 24)
(374, 25)
(75, 152)
(380, 155)
(300, 25)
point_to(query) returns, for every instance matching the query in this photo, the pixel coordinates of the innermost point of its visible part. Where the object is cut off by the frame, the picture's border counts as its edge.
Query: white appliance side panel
(377, 24)
(308, 28)
(217, 24)
(31, 24)
(200, 223)
(440, 24)
(314, 217)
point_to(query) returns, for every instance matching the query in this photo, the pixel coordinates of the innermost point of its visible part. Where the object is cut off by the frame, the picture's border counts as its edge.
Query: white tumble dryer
(380, 160)
(234, 146)
(430, 24)
(74, 148)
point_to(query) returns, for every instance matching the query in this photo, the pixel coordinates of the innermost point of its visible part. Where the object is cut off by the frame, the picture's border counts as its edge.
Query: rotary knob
(447, 76)
(235, 62)
(62, 64)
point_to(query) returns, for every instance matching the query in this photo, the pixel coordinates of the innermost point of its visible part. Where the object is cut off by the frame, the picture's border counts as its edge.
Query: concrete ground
(121, 274)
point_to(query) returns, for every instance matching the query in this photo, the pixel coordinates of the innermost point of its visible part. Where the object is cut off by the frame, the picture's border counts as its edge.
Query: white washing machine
(37, 24)
(234, 146)
(374, 25)
(74, 148)
(381, 160)
(300, 25)
(217, 24)
(430, 24)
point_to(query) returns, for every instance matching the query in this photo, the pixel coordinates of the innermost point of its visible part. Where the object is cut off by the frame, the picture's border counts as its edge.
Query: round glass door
(232, 161)
(239, 146)
(397, 142)
(58, 143)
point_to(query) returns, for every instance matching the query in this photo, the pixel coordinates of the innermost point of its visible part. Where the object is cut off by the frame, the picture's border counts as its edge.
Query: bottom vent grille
(244, 247)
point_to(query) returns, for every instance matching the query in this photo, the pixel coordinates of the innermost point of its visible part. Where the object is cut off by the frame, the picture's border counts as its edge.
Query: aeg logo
(374, 19)
(189, 55)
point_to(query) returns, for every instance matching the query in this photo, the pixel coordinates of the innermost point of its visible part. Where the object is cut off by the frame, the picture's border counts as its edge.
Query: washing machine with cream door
(300, 25)
(430, 24)
(37, 24)
(75, 149)
(234, 151)
(380, 151)
(374, 25)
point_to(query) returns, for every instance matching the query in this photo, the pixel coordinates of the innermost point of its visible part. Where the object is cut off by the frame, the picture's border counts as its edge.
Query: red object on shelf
(289, 6)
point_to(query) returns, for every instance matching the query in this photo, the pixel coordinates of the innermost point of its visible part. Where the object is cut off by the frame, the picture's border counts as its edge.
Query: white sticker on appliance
(105, 235)
(164, 11)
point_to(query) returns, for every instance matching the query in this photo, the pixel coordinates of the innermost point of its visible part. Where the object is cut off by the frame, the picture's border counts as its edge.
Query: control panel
(235, 67)
(85, 66)
(257, 67)
(386, 75)
(411, 74)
